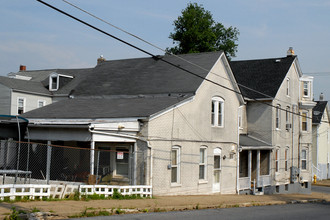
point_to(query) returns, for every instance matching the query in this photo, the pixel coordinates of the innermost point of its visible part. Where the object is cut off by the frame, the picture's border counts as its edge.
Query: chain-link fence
(22, 162)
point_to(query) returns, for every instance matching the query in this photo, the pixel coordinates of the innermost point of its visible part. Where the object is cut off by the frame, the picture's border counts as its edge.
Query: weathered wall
(189, 127)
(31, 101)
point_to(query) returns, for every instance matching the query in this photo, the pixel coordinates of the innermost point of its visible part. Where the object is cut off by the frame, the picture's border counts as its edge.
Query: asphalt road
(321, 189)
(292, 211)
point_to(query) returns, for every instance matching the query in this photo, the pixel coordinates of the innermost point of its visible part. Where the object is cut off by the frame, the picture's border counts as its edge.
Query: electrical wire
(162, 59)
(169, 53)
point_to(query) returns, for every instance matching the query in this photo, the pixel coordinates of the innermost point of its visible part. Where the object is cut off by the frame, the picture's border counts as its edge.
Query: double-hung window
(41, 103)
(202, 163)
(288, 86)
(278, 116)
(287, 118)
(304, 124)
(303, 158)
(286, 159)
(277, 155)
(306, 88)
(20, 105)
(217, 113)
(175, 164)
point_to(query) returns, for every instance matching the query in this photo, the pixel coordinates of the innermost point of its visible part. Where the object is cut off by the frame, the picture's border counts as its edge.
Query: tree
(195, 31)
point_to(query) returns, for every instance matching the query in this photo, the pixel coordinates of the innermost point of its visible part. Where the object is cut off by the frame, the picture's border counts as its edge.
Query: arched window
(217, 113)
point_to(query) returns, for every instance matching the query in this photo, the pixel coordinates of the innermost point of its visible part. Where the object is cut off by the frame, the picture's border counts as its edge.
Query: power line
(169, 53)
(165, 61)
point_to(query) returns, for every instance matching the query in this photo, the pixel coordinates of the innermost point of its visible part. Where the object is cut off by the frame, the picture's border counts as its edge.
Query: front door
(217, 170)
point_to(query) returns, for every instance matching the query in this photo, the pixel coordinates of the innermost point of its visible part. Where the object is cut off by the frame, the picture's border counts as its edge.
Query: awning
(12, 126)
(248, 142)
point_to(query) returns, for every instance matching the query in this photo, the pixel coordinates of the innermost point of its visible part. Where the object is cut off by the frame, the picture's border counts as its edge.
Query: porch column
(91, 164)
(49, 159)
(134, 164)
(258, 167)
(249, 164)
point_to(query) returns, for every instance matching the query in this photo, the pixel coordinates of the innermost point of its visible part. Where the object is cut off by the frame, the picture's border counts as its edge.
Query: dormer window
(306, 88)
(53, 82)
(56, 79)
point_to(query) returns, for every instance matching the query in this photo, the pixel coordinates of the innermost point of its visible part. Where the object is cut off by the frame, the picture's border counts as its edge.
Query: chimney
(290, 52)
(100, 59)
(22, 68)
(321, 96)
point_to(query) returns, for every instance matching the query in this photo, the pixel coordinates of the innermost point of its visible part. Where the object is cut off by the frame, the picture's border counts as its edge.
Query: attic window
(53, 82)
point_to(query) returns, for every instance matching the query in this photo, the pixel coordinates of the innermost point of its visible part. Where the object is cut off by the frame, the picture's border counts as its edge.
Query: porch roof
(248, 142)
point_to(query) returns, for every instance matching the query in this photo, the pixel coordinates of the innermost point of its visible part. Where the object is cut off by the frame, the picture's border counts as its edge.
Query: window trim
(277, 161)
(303, 159)
(286, 158)
(287, 117)
(278, 117)
(306, 121)
(216, 105)
(43, 103)
(24, 105)
(288, 86)
(177, 165)
(51, 77)
(307, 83)
(203, 163)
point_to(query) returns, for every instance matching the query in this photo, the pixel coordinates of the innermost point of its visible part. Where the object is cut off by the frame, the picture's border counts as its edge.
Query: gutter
(29, 92)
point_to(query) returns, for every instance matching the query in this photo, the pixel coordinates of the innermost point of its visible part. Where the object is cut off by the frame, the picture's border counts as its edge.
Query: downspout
(151, 162)
(237, 151)
(317, 147)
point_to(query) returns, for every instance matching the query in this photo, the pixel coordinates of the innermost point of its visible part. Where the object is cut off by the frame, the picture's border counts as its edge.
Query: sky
(38, 37)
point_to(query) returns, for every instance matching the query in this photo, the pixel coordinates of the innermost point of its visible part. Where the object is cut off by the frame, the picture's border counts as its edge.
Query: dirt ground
(65, 208)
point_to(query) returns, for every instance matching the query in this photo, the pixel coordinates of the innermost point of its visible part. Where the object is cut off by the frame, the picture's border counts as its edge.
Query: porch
(254, 165)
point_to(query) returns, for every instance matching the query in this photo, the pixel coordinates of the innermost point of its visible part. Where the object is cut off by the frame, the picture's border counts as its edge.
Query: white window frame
(202, 163)
(176, 165)
(287, 117)
(278, 117)
(288, 86)
(306, 87)
(277, 160)
(43, 103)
(51, 79)
(217, 112)
(286, 159)
(304, 119)
(304, 159)
(18, 106)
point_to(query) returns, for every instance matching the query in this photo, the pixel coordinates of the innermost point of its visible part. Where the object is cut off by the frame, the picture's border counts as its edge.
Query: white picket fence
(36, 191)
(108, 190)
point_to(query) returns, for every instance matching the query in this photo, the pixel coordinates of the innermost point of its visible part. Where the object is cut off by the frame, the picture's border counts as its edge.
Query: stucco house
(276, 137)
(175, 123)
(321, 140)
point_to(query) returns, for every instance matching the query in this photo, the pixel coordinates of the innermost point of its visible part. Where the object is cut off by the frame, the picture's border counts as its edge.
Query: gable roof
(318, 111)
(147, 76)
(264, 75)
(131, 88)
(24, 85)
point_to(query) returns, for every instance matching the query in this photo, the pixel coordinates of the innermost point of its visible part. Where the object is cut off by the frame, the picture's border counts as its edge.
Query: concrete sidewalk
(65, 208)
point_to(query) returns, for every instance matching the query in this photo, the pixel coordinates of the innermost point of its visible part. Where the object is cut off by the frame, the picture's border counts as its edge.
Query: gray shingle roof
(248, 141)
(131, 88)
(146, 76)
(264, 75)
(318, 111)
(93, 108)
(24, 85)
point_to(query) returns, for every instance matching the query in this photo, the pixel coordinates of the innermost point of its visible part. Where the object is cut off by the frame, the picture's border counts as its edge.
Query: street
(290, 211)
